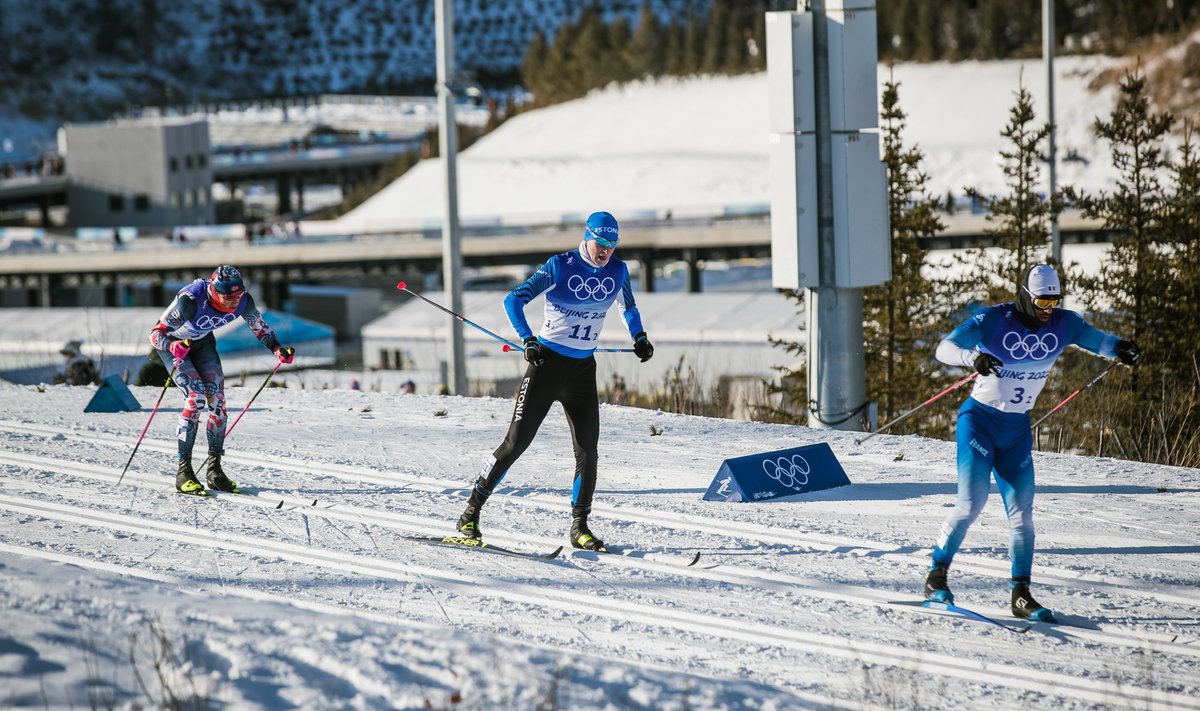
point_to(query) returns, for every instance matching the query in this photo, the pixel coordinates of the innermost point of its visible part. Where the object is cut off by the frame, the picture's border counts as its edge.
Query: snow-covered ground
(307, 595)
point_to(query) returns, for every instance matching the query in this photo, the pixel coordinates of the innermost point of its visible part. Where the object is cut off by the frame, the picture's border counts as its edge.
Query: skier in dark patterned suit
(184, 334)
(1013, 347)
(580, 285)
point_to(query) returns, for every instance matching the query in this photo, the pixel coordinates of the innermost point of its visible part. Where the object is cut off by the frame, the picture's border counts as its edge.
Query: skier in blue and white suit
(580, 286)
(1012, 346)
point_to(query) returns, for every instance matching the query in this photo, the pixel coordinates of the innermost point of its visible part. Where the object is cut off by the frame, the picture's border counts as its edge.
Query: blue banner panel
(773, 474)
(113, 396)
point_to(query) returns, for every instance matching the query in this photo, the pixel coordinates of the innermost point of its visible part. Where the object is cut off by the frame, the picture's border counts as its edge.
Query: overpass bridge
(380, 260)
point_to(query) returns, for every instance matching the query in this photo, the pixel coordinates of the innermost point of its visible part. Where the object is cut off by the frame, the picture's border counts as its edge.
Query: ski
(1017, 627)
(681, 561)
(476, 544)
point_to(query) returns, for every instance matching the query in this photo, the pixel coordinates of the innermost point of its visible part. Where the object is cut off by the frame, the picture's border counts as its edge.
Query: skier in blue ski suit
(184, 334)
(1012, 346)
(580, 286)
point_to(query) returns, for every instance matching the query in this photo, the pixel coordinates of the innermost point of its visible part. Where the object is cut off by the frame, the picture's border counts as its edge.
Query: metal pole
(1051, 154)
(451, 238)
(836, 365)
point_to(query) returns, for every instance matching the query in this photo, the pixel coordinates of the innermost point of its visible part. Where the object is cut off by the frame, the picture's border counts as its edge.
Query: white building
(721, 337)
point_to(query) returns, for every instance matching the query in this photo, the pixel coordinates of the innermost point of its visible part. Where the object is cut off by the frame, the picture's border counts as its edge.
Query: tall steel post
(836, 362)
(456, 365)
(1051, 154)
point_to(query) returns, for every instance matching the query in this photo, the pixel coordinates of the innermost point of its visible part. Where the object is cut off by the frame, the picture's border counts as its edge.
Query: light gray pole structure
(829, 231)
(1051, 154)
(456, 365)
(836, 364)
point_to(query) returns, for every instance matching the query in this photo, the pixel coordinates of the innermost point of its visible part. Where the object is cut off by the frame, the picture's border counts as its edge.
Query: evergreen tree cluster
(925, 30)
(721, 37)
(1147, 288)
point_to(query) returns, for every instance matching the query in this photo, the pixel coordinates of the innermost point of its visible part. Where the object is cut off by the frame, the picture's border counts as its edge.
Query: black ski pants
(572, 382)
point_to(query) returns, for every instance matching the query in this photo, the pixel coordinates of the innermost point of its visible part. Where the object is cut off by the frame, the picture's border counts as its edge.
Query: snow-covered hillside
(307, 595)
(698, 146)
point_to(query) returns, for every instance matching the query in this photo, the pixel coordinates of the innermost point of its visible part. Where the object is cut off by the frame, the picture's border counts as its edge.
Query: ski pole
(247, 407)
(1071, 397)
(913, 411)
(148, 420)
(508, 345)
(403, 286)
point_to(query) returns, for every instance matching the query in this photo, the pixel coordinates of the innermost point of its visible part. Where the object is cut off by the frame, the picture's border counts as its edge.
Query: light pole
(1051, 155)
(456, 366)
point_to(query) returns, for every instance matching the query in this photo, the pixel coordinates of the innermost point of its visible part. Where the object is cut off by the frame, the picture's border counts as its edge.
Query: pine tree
(902, 318)
(534, 67)
(1128, 279)
(1019, 218)
(1148, 412)
(646, 48)
(1181, 225)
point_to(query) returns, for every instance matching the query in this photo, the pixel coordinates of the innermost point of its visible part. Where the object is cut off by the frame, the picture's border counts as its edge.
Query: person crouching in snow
(184, 335)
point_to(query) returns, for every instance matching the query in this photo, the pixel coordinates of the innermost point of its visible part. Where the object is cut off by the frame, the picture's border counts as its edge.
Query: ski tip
(554, 554)
(695, 560)
(314, 502)
(402, 286)
(279, 505)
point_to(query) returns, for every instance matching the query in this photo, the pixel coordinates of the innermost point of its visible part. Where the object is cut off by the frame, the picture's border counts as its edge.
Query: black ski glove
(1128, 352)
(533, 351)
(642, 347)
(987, 364)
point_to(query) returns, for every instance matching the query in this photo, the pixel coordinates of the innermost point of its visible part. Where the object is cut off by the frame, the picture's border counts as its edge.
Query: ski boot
(1024, 606)
(468, 523)
(936, 589)
(185, 479)
(582, 537)
(216, 475)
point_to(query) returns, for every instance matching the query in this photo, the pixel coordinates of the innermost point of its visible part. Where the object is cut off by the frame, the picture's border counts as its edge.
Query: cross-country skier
(1012, 346)
(184, 334)
(580, 286)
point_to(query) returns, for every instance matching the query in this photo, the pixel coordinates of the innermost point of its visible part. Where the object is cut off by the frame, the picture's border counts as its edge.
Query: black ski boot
(936, 588)
(581, 535)
(1024, 606)
(216, 475)
(185, 480)
(468, 523)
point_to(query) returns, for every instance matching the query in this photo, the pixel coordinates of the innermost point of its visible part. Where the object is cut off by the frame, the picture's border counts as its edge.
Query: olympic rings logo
(212, 323)
(792, 471)
(1031, 346)
(591, 288)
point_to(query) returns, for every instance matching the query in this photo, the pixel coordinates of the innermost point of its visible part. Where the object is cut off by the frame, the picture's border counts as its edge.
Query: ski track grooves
(734, 575)
(1051, 683)
(758, 534)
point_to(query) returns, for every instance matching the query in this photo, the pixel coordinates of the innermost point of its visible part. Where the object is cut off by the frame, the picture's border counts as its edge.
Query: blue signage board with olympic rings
(769, 475)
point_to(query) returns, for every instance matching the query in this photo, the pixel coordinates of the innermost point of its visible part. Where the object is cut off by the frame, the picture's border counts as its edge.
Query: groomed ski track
(796, 614)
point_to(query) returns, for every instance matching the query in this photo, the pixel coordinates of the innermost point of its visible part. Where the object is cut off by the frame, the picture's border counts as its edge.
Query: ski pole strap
(1071, 397)
(913, 411)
